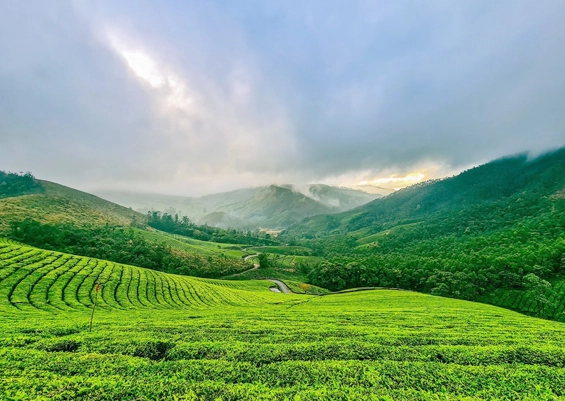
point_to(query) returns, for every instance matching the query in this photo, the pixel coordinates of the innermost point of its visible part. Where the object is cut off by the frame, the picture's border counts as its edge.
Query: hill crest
(58, 203)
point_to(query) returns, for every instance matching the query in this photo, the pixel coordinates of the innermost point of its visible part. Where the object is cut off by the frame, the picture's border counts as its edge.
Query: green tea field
(160, 336)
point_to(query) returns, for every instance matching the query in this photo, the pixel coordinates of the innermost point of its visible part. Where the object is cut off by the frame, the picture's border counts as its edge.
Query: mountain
(273, 207)
(55, 217)
(53, 203)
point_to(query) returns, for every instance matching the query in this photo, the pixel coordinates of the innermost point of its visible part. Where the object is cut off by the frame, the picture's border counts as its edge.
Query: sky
(195, 97)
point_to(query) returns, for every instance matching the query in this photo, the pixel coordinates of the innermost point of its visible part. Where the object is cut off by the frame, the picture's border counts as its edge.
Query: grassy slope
(282, 250)
(63, 204)
(35, 279)
(167, 336)
(283, 267)
(191, 245)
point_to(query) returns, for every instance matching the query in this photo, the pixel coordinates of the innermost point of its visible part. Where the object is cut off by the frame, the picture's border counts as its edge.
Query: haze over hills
(373, 189)
(492, 234)
(271, 207)
(482, 186)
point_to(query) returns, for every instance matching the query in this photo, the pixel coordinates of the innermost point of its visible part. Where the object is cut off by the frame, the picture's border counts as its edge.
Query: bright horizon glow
(392, 180)
(398, 181)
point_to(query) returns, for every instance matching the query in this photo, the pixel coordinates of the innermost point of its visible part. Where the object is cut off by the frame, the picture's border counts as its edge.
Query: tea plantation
(161, 336)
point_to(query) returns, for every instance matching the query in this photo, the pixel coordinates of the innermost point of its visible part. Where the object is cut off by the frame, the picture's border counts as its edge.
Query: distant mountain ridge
(480, 186)
(270, 207)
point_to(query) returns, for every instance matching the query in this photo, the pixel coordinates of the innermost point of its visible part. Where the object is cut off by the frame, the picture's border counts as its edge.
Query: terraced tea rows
(191, 245)
(372, 345)
(34, 279)
(165, 337)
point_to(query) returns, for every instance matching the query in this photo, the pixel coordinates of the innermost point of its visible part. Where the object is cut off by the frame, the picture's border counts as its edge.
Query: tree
(263, 260)
(540, 290)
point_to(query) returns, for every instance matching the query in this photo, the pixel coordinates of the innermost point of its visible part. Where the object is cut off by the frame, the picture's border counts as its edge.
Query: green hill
(548, 302)
(469, 236)
(161, 336)
(57, 203)
(191, 245)
(56, 217)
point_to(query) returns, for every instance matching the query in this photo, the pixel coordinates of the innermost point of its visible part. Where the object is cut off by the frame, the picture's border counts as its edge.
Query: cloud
(195, 97)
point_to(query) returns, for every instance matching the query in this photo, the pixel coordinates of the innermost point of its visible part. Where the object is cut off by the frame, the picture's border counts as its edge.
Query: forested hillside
(55, 217)
(123, 245)
(483, 188)
(497, 226)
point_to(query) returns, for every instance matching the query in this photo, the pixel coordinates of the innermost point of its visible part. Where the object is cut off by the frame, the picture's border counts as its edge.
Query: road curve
(245, 259)
(282, 286)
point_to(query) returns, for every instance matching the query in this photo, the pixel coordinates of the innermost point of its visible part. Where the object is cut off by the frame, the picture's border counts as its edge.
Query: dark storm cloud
(190, 97)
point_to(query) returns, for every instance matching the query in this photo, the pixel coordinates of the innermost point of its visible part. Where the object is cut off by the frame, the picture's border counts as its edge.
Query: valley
(436, 290)
(282, 200)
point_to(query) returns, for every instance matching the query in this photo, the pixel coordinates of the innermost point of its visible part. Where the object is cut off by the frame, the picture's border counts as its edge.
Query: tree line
(122, 245)
(183, 226)
(17, 184)
(464, 253)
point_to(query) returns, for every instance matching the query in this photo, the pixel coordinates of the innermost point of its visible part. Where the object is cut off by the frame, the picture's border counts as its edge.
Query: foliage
(191, 245)
(488, 189)
(183, 226)
(160, 336)
(283, 250)
(124, 245)
(304, 288)
(540, 290)
(263, 261)
(465, 237)
(12, 184)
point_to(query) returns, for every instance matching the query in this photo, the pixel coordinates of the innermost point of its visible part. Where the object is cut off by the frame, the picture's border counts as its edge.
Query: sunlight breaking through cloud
(199, 97)
(172, 88)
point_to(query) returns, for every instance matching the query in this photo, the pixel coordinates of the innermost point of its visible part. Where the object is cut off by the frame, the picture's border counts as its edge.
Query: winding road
(282, 287)
(245, 259)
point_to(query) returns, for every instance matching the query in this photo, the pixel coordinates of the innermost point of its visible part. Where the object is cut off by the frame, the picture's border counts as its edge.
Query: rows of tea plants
(372, 345)
(34, 279)
(164, 337)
